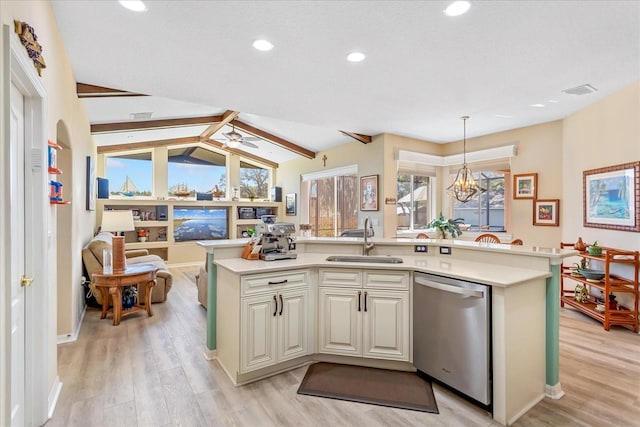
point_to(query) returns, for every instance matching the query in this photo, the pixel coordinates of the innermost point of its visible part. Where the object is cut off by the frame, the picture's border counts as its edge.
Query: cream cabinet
(276, 320)
(364, 313)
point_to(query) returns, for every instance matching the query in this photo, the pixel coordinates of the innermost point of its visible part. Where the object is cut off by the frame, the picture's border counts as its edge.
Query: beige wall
(604, 134)
(368, 157)
(75, 224)
(539, 150)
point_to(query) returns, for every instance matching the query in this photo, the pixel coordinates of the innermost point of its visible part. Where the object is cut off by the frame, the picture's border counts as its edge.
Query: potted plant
(444, 226)
(594, 249)
(129, 297)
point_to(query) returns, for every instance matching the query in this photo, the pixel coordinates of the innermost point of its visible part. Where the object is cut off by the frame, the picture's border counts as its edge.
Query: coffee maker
(276, 239)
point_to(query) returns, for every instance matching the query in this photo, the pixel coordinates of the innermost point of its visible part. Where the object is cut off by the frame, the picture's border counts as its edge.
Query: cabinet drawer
(340, 277)
(381, 279)
(258, 283)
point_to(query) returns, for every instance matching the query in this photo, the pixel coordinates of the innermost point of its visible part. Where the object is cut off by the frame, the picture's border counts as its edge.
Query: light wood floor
(149, 371)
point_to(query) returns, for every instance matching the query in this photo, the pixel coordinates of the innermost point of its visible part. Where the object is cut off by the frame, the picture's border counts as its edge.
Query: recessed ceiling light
(135, 5)
(537, 105)
(356, 57)
(457, 8)
(263, 45)
(504, 116)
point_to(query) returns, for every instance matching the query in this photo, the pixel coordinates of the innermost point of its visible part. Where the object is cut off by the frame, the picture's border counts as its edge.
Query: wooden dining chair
(517, 242)
(422, 236)
(488, 238)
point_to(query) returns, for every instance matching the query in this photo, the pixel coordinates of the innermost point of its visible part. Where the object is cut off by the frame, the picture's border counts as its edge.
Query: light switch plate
(445, 250)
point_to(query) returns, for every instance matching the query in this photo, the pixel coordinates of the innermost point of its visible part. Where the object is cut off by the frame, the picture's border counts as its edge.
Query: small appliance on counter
(276, 239)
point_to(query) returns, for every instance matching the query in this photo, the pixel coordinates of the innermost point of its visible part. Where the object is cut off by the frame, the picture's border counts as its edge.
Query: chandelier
(465, 187)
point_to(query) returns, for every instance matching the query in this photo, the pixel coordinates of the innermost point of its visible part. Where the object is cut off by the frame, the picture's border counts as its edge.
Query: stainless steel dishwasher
(452, 334)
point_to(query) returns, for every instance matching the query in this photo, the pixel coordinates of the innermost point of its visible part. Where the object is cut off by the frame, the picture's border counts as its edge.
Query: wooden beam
(222, 146)
(92, 91)
(153, 124)
(275, 140)
(365, 139)
(148, 144)
(182, 141)
(215, 127)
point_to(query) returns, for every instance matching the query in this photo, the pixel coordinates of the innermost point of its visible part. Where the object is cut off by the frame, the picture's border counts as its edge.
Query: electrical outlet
(445, 250)
(420, 248)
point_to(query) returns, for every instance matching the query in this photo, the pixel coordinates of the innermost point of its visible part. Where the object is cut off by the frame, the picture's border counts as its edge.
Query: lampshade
(464, 187)
(117, 221)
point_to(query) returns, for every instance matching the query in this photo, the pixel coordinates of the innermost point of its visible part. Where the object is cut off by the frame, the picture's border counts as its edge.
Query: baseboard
(553, 391)
(62, 339)
(210, 354)
(54, 394)
(526, 409)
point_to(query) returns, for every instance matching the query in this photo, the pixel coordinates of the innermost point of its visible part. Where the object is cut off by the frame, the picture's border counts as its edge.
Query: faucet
(368, 246)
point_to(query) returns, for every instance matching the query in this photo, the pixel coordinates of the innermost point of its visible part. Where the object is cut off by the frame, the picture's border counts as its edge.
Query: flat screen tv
(200, 223)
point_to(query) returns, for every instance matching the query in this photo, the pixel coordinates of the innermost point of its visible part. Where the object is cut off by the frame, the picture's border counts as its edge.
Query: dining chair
(517, 242)
(422, 236)
(487, 238)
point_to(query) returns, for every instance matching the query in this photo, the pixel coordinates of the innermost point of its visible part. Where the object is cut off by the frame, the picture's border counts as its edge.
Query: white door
(340, 321)
(258, 332)
(293, 324)
(386, 324)
(17, 258)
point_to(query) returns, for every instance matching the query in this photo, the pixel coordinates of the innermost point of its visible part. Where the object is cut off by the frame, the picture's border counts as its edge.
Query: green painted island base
(553, 389)
(212, 310)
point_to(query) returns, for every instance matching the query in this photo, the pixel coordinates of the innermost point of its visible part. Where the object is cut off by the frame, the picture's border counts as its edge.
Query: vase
(580, 245)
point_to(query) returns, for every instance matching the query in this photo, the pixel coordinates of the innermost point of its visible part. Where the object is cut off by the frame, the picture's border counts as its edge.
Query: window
(486, 212)
(130, 174)
(331, 201)
(254, 181)
(193, 170)
(414, 202)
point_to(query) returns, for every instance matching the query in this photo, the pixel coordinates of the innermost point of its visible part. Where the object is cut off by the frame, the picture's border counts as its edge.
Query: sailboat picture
(128, 189)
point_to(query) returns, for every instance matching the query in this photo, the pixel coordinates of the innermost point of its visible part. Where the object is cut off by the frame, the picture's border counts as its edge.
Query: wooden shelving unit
(160, 240)
(611, 284)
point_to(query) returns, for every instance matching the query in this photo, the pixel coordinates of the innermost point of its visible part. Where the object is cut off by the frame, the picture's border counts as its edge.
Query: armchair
(92, 258)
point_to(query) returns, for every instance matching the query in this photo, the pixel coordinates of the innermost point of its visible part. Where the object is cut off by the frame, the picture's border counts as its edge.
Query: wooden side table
(142, 275)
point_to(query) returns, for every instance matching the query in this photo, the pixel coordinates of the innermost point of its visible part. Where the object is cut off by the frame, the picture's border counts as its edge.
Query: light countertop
(489, 274)
(536, 251)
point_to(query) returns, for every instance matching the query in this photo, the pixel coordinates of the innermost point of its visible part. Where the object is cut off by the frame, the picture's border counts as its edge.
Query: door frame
(40, 318)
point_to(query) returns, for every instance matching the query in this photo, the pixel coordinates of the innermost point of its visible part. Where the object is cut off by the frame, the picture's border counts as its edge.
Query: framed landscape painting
(525, 186)
(611, 197)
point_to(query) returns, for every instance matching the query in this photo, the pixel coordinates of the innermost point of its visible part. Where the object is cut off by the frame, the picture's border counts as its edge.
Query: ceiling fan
(235, 139)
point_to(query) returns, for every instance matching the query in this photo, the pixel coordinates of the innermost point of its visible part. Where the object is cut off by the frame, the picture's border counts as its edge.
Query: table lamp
(118, 222)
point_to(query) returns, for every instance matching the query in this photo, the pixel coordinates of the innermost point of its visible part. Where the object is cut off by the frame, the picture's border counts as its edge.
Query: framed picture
(525, 186)
(91, 184)
(290, 204)
(546, 212)
(369, 193)
(611, 197)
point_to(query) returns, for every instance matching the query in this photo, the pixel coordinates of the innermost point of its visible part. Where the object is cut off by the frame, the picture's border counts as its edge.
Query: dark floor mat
(398, 389)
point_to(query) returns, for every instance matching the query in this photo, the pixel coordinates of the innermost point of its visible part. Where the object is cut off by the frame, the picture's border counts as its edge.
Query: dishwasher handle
(449, 288)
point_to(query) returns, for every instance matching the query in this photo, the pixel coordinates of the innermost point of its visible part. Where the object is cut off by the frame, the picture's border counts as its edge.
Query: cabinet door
(386, 325)
(293, 324)
(258, 332)
(339, 321)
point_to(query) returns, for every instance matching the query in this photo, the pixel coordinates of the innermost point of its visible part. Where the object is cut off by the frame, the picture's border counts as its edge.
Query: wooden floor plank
(149, 371)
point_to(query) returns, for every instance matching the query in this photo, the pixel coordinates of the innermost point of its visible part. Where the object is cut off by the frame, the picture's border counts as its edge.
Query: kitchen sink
(365, 258)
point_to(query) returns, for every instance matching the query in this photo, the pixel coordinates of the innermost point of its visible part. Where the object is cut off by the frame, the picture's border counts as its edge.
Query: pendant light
(465, 187)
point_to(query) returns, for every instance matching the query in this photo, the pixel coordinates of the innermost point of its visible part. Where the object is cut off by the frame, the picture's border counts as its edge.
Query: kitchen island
(520, 278)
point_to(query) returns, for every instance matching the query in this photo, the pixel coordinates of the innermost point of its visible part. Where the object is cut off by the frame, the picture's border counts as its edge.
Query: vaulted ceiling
(423, 70)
